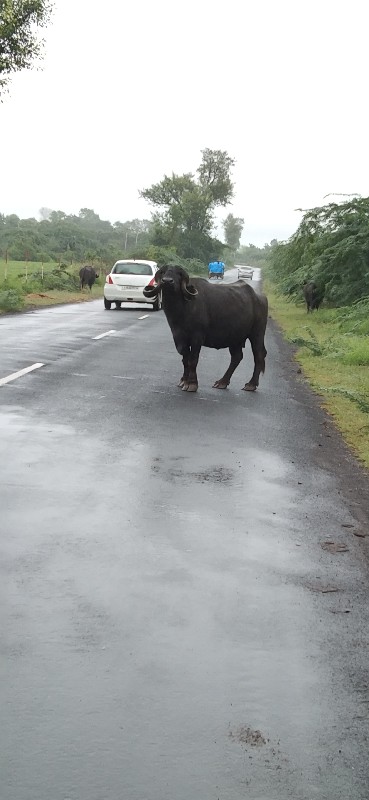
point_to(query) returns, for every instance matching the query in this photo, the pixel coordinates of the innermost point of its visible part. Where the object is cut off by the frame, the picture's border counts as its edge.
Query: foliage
(312, 343)
(233, 227)
(354, 397)
(168, 255)
(358, 353)
(56, 279)
(185, 205)
(70, 238)
(355, 318)
(11, 299)
(331, 247)
(253, 256)
(340, 372)
(20, 46)
(214, 176)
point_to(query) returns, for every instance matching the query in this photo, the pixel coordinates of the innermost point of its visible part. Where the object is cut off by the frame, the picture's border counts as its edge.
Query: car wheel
(107, 304)
(156, 306)
(118, 303)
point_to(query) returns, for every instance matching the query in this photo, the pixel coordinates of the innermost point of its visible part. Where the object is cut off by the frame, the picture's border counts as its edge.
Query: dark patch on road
(247, 736)
(334, 547)
(214, 474)
(323, 589)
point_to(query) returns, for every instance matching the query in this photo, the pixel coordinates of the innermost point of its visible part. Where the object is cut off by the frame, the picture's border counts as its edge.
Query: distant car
(126, 282)
(245, 272)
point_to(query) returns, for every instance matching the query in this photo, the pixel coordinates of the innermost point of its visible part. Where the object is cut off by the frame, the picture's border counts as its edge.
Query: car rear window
(132, 269)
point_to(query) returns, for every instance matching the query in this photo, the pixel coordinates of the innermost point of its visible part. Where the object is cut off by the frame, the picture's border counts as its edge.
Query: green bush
(56, 279)
(11, 299)
(168, 255)
(196, 267)
(358, 354)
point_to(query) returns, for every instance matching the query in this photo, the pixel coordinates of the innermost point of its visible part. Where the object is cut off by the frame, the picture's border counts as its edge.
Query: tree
(214, 176)
(45, 213)
(20, 45)
(139, 229)
(331, 247)
(233, 227)
(184, 206)
(89, 215)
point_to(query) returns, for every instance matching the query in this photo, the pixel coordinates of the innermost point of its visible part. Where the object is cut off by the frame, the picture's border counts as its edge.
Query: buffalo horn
(188, 291)
(151, 291)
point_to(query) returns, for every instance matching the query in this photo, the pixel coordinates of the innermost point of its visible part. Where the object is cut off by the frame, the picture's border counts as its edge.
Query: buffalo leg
(236, 358)
(192, 383)
(190, 358)
(259, 353)
(184, 379)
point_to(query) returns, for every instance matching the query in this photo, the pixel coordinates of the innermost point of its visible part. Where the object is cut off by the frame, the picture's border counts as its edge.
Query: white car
(245, 272)
(126, 282)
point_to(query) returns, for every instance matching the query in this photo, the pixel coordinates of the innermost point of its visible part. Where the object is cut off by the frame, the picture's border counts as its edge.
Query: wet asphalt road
(171, 627)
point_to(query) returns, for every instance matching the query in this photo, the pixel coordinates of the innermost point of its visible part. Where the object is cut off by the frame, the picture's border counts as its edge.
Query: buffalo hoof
(181, 383)
(249, 387)
(220, 385)
(189, 387)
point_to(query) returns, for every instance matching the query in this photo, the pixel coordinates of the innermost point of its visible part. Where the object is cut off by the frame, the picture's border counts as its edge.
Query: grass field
(18, 270)
(333, 351)
(21, 290)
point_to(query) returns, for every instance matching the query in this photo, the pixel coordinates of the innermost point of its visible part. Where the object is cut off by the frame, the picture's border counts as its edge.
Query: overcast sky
(132, 90)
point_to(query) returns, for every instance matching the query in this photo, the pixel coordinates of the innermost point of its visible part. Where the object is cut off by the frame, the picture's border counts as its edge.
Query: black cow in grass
(87, 277)
(313, 294)
(203, 315)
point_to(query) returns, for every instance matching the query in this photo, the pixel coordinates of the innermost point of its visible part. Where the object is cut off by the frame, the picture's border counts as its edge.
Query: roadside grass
(58, 297)
(26, 286)
(333, 351)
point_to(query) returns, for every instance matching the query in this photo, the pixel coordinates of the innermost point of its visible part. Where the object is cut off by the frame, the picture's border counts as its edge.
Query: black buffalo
(201, 314)
(87, 277)
(313, 295)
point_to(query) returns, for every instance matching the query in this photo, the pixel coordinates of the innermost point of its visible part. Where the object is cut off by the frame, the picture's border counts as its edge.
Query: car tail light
(152, 282)
(109, 279)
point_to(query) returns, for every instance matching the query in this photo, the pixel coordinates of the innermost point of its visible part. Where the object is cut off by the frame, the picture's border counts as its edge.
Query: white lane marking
(123, 377)
(19, 374)
(144, 316)
(101, 335)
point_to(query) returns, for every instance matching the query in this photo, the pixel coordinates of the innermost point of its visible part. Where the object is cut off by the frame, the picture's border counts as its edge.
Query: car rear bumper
(132, 295)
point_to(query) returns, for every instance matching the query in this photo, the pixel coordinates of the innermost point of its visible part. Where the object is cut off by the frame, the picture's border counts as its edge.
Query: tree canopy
(331, 247)
(185, 205)
(20, 45)
(70, 238)
(233, 227)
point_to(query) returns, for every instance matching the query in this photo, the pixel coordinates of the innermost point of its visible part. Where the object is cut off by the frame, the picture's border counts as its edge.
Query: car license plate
(129, 288)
